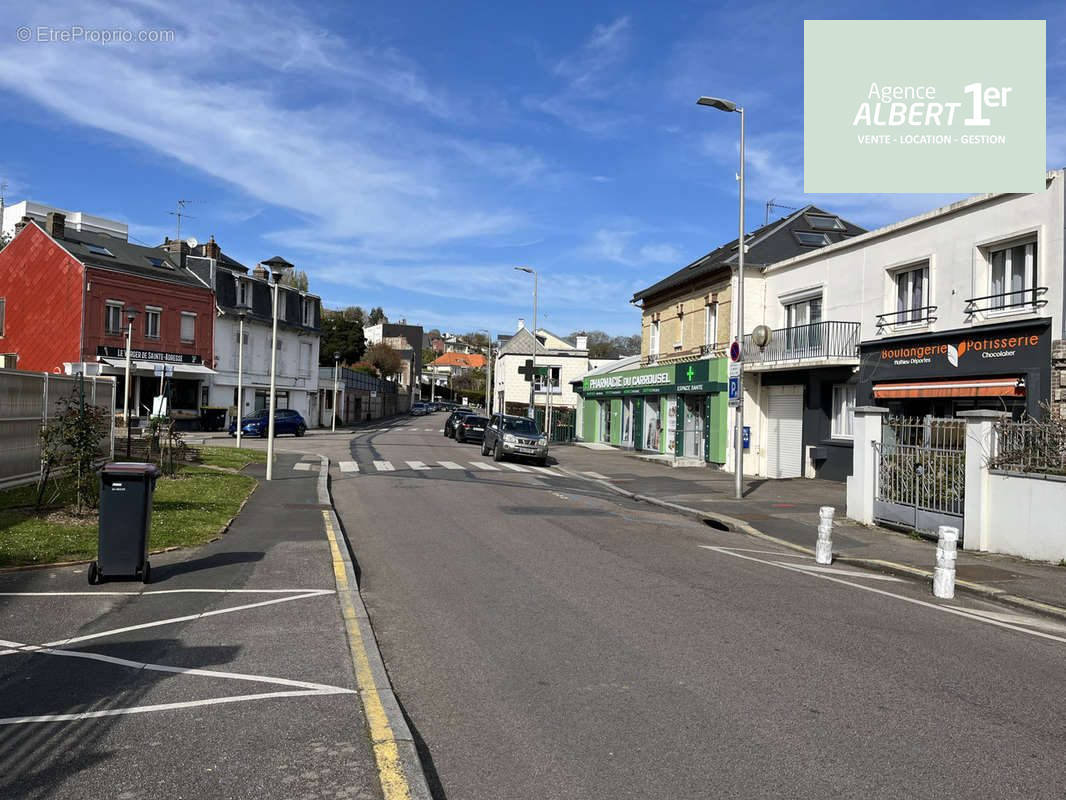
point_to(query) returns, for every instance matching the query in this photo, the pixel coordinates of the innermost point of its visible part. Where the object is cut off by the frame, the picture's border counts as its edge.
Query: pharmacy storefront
(676, 410)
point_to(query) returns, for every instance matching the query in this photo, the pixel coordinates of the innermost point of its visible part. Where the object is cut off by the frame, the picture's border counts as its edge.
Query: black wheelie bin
(126, 490)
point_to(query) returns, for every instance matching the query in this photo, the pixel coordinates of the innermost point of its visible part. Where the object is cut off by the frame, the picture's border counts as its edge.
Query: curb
(879, 565)
(399, 766)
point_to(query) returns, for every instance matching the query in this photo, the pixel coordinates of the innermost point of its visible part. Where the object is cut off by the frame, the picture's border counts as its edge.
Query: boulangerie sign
(924, 106)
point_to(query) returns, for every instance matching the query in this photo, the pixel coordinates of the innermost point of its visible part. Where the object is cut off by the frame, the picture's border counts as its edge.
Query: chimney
(55, 224)
(582, 341)
(211, 249)
(260, 272)
(22, 223)
(521, 323)
(177, 248)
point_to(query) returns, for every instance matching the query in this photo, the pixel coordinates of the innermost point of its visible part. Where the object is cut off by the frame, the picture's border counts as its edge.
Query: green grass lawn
(232, 457)
(188, 509)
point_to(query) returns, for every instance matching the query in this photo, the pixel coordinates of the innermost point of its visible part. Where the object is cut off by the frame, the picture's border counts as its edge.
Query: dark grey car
(514, 436)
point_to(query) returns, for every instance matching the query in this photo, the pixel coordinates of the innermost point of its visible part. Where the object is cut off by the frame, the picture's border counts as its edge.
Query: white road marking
(771, 553)
(596, 475)
(349, 466)
(440, 430)
(515, 467)
(873, 576)
(186, 618)
(302, 465)
(114, 712)
(484, 466)
(450, 465)
(1034, 622)
(419, 465)
(977, 617)
(545, 470)
(307, 592)
(383, 466)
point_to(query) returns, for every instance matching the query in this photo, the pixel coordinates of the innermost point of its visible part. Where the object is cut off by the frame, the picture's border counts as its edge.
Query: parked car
(514, 436)
(258, 423)
(419, 409)
(471, 428)
(449, 424)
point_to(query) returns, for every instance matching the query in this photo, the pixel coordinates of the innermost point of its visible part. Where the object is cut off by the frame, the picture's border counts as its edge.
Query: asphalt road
(549, 640)
(270, 712)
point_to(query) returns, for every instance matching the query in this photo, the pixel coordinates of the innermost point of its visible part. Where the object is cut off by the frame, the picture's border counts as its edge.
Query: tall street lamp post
(273, 380)
(131, 314)
(242, 314)
(533, 377)
(490, 390)
(738, 444)
(336, 368)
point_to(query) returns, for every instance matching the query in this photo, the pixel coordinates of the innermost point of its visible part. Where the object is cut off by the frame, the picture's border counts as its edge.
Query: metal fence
(27, 401)
(1031, 446)
(818, 340)
(921, 472)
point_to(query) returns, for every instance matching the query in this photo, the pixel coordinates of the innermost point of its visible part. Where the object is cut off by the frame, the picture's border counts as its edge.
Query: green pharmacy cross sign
(691, 373)
(528, 371)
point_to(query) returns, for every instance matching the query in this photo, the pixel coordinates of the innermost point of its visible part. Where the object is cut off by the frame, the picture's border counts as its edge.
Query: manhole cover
(984, 573)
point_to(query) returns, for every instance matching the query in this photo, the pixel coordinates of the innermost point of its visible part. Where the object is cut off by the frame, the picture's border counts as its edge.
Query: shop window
(151, 322)
(912, 294)
(843, 411)
(1013, 276)
(188, 327)
(113, 318)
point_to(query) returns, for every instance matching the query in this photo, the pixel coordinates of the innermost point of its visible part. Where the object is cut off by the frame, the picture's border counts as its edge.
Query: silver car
(514, 436)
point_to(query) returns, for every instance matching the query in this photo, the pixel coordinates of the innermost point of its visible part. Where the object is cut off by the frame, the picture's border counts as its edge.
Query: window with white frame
(188, 326)
(152, 315)
(912, 294)
(710, 324)
(308, 312)
(243, 292)
(113, 317)
(238, 341)
(801, 320)
(549, 382)
(305, 358)
(843, 411)
(1012, 273)
(654, 346)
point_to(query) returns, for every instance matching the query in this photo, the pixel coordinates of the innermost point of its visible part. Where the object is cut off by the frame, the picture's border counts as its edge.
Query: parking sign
(734, 391)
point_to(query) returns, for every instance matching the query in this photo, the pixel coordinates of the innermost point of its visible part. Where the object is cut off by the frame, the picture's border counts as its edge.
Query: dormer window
(812, 239)
(824, 222)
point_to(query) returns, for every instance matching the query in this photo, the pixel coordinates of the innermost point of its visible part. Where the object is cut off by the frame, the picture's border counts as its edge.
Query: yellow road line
(390, 769)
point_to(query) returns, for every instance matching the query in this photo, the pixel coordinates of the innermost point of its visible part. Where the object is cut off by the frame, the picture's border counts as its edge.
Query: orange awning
(963, 387)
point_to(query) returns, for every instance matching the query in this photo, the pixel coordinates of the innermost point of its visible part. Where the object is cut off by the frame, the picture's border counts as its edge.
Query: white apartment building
(300, 317)
(564, 360)
(959, 308)
(75, 220)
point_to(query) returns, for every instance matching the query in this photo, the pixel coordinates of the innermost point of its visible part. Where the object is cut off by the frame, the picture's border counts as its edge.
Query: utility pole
(3, 193)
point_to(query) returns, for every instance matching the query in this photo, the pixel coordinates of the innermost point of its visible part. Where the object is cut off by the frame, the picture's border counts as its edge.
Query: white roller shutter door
(784, 432)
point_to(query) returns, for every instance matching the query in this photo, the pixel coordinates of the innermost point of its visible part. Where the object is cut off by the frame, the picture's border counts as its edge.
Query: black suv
(453, 418)
(514, 436)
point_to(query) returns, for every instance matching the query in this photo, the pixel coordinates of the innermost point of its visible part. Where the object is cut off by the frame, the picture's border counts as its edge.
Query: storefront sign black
(1009, 349)
(149, 355)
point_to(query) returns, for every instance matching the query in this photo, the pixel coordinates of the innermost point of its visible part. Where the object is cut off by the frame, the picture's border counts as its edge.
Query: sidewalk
(787, 511)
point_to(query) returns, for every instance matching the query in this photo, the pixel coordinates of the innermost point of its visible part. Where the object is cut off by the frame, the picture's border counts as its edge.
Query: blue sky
(408, 154)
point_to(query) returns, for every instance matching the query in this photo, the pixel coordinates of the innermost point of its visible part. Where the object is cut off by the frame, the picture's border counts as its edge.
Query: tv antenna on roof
(771, 205)
(3, 192)
(180, 213)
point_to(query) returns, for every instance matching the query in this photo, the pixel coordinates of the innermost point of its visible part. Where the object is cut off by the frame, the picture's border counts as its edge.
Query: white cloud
(616, 246)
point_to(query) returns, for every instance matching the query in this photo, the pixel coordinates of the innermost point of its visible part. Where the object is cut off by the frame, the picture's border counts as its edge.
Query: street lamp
(738, 443)
(490, 390)
(336, 367)
(242, 315)
(131, 314)
(532, 378)
(273, 379)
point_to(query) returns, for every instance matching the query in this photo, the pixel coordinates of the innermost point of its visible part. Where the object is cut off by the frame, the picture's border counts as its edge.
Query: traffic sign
(734, 391)
(734, 351)
(734, 369)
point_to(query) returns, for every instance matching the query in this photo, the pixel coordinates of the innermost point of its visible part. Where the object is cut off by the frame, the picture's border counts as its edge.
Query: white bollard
(823, 548)
(944, 573)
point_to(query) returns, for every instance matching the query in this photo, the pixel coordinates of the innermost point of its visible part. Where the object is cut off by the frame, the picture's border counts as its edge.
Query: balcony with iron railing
(1005, 302)
(920, 315)
(827, 342)
(681, 356)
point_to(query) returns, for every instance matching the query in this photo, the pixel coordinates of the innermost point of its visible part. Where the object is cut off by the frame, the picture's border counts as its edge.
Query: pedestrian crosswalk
(382, 465)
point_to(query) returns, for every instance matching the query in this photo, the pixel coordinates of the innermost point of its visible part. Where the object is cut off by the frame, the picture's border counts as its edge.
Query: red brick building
(64, 297)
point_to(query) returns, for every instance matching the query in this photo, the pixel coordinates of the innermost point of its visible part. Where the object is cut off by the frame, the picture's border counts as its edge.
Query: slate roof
(769, 244)
(110, 252)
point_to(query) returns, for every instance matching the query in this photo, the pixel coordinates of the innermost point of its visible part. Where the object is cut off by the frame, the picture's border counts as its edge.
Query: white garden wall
(1025, 516)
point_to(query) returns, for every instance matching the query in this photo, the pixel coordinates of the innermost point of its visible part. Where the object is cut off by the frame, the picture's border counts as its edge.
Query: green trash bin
(126, 490)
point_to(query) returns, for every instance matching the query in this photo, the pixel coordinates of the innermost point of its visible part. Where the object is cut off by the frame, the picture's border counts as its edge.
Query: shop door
(627, 422)
(652, 425)
(784, 432)
(695, 410)
(605, 421)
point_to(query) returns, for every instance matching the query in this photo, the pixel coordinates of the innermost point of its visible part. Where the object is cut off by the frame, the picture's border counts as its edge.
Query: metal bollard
(823, 549)
(944, 573)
